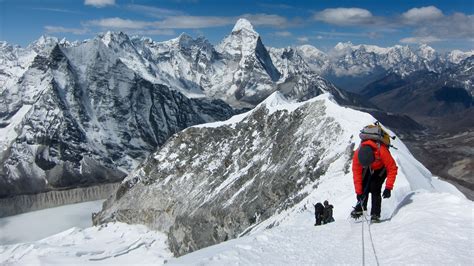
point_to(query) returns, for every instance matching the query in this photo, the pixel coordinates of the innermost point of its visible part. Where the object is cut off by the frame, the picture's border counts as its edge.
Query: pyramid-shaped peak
(243, 24)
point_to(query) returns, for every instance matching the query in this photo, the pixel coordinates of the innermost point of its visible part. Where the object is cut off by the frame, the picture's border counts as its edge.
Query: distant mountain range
(352, 67)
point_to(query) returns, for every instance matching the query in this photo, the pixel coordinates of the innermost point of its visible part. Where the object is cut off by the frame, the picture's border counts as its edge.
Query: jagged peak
(110, 36)
(243, 24)
(343, 45)
(45, 39)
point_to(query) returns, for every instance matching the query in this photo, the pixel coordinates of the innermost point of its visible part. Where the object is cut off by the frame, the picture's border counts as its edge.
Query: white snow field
(428, 221)
(36, 225)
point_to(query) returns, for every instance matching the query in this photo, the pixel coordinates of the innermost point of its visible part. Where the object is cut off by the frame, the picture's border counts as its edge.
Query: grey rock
(210, 184)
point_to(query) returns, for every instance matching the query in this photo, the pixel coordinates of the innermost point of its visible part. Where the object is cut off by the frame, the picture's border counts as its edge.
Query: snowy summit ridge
(247, 174)
(243, 24)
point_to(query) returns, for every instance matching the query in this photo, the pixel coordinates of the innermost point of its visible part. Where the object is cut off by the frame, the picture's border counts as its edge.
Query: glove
(386, 193)
(360, 197)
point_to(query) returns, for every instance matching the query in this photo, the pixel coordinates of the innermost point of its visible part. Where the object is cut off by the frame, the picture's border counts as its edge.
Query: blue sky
(445, 25)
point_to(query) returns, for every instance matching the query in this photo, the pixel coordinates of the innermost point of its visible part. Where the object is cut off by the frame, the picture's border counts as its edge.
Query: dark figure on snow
(371, 165)
(318, 213)
(327, 213)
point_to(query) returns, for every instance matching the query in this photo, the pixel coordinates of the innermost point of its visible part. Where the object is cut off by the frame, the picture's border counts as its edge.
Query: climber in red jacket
(371, 165)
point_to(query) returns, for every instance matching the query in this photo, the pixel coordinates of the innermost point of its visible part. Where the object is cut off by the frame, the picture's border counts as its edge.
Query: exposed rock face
(211, 183)
(69, 124)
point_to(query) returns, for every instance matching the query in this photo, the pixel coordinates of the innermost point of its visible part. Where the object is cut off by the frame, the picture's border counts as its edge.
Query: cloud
(193, 22)
(303, 39)
(188, 22)
(420, 40)
(60, 10)
(268, 20)
(119, 23)
(456, 26)
(99, 3)
(422, 14)
(346, 16)
(278, 6)
(59, 29)
(153, 32)
(154, 12)
(283, 34)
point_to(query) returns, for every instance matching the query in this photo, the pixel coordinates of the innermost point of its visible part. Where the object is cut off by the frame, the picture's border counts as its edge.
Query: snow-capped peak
(426, 51)
(110, 37)
(243, 24)
(310, 50)
(343, 46)
(456, 56)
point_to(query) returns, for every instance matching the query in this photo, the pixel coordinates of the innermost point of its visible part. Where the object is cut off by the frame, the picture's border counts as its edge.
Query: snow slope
(429, 221)
(112, 244)
(429, 228)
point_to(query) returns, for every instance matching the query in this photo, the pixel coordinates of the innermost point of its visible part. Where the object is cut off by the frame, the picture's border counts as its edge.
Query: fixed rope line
(363, 246)
(372, 241)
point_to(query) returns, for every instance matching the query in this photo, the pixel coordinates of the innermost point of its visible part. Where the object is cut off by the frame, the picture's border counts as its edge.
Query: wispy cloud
(188, 22)
(269, 20)
(119, 23)
(168, 32)
(154, 12)
(59, 29)
(60, 10)
(277, 6)
(193, 22)
(99, 3)
(303, 39)
(419, 40)
(283, 34)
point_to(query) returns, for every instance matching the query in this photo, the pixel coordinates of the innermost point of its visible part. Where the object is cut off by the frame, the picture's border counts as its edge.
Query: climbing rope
(371, 239)
(363, 245)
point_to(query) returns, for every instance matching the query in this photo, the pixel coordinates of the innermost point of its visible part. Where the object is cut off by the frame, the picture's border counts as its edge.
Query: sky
(444, 25)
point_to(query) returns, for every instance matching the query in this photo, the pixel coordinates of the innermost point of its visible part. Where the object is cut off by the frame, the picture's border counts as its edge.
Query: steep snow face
(316, 59)
(299, 80)
(183, 63)
(80, 116)
(247, 67)
(14, 61)
(217, 181)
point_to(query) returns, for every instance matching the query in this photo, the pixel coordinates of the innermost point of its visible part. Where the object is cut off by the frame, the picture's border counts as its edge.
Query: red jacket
(383, 158)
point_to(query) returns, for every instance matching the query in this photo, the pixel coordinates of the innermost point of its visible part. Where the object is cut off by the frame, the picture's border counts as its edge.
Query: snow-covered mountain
(76, 114)
(239, 70)
(214, 182)
(80, 116)
(354, 66)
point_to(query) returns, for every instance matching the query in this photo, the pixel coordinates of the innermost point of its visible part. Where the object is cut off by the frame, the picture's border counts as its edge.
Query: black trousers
(376, 180)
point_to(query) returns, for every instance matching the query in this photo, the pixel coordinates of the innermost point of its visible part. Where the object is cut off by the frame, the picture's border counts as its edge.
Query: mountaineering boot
(357, 212)
(375, 219)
